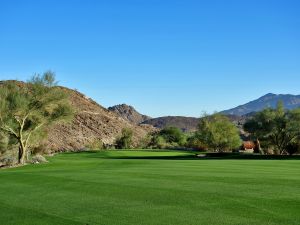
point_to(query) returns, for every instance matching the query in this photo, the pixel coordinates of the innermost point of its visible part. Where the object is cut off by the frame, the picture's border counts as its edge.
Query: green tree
(158, 141)
(173, 135)
(168, 137)
(217, 133)
(194, 142)
(27, 109)
(276, 127)
(125, 140)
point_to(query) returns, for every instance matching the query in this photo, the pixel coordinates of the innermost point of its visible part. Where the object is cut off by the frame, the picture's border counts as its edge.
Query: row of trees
(277, 129)
(215, 133)
(27, 110)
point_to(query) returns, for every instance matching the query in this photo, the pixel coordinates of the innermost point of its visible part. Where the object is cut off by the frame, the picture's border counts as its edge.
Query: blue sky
(163, 57)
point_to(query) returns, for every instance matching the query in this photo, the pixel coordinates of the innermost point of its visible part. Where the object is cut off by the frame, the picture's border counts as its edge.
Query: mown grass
(148, 188)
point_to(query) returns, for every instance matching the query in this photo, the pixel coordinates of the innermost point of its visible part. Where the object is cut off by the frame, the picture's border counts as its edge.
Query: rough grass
(148, 188)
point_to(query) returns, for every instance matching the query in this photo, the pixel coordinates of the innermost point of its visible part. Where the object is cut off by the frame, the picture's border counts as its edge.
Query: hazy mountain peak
(269, 100)
(269, 95)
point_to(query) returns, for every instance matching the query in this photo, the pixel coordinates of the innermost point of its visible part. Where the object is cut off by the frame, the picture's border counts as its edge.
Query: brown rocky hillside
(92, 122)
(129, 113)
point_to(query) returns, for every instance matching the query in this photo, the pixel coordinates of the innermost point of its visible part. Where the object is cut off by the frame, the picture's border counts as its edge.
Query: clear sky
(165, 57)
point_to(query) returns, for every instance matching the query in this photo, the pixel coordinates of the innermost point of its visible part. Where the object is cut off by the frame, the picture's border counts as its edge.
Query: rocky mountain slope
(92, 122)
(269, 100)
(129, 113)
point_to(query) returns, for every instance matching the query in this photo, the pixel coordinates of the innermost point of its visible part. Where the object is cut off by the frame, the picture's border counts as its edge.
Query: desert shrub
(173, 136)
(38, 159)
(194, 143)
(3, 142)
(170, 137)
(96, 144)
(145, 142)
(9, 156)
(125, 140)
(159, 142)
(40, 150)
(109, 146)
(8, 161)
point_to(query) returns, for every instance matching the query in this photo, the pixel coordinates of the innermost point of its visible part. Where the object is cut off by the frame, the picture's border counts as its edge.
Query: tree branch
(9, 130)
(29, 134)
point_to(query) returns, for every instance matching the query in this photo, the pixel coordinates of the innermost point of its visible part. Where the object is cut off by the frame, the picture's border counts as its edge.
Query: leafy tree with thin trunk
(276, 127)
(28, 109)
(218, 133)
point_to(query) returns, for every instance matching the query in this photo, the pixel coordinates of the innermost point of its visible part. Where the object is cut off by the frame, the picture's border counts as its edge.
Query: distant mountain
(186, 124)
(237, 115)
(129, 113)
(266, 101)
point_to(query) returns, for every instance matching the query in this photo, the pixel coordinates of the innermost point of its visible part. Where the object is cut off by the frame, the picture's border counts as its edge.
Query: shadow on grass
(185, 157)
(250, 156)
(194, 156)
(108, 155)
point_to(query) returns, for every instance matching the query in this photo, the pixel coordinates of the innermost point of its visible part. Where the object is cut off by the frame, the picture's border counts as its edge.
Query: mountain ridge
(269, 100)
(237, 115)
(129, 113)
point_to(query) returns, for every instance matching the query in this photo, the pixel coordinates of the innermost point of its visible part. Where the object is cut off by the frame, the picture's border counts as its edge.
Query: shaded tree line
(276, 129)
(214, 133)
(271, 129)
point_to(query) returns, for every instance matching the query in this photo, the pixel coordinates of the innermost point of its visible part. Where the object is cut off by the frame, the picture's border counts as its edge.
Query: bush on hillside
(125, 140)
(40, 149)
(145, 142)
(3, 142)
(96, 144)
(170, 137)
(8, 161)
(38, 159)
(173, 136)
(159, 142)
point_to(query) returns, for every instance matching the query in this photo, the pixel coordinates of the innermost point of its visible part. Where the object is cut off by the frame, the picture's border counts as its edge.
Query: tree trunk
(282, 152)
(259, 147)
(22, 153)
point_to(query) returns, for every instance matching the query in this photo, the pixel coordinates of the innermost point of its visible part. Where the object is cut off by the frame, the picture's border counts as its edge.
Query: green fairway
(148, 188)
